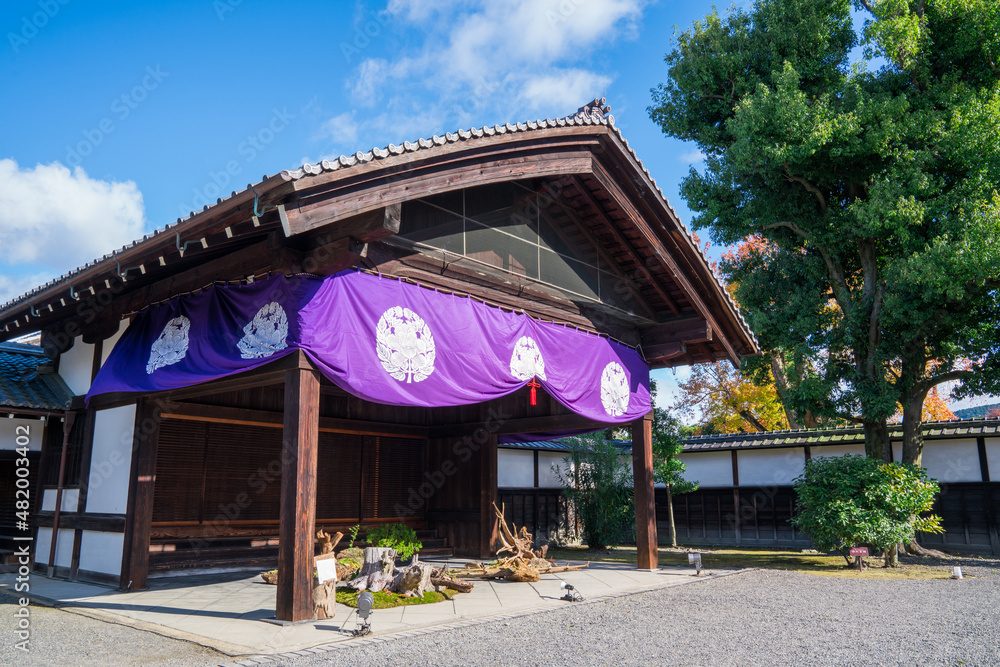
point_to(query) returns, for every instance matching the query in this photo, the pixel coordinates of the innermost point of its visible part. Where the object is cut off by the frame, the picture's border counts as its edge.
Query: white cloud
(12, 287)
(341, 129)
(697, 156)
(364, 90)
(55, 219)
(486, 61)
(564, 90)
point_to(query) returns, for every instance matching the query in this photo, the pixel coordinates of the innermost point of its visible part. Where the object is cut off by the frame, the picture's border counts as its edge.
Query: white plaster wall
(952, 460)
(515, 468)
(993, 458)
(709, 469)
(9, 433)
(547, 478)
(101, 552)
(75, 366)
(109, 343)
(69, 499)
(64, 547)
(764, 467)
(109, 464)
(819, 452)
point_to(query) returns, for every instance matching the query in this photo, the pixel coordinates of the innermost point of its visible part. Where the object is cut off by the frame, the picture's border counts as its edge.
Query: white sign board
(326, 570)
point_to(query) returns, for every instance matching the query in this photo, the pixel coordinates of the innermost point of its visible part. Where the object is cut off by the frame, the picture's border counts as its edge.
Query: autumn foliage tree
(728, 402)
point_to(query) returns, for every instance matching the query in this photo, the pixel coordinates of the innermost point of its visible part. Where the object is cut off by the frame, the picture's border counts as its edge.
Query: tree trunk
(911, 376)
(377, 571)
(670, 515)
(781, 385)
(913, 435)
(752, 420)
(891, 556)
(877, 440)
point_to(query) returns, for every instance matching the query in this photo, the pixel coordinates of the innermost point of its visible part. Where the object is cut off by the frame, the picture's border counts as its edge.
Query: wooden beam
(104, 523)
(262, 376)
(381, 192)
(498, 425)
(487, 497)
(305, 215)
(551, 141)
(984, 463)
(689, 330)
(139, 511)
(270, 419)
(663, 351)
(645, 494)
(300, 446)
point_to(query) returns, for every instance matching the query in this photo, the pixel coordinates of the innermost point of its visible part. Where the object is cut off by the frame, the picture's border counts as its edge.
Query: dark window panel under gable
(514, 228)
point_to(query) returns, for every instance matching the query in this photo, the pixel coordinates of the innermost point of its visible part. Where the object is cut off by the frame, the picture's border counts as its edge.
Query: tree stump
(325, 599)
(414, 581)
(378, 570)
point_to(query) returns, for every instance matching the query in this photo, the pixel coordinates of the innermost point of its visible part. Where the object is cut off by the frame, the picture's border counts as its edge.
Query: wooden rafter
(624, 242)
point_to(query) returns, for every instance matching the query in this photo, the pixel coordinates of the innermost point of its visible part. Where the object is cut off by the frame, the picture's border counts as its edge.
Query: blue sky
(121, 116)
(118, 117)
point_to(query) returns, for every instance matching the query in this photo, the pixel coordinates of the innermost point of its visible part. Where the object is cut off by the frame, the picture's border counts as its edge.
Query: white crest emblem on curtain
(266, 333)
(171, 346)
(526, 362)
(614, 389)
(404, 345)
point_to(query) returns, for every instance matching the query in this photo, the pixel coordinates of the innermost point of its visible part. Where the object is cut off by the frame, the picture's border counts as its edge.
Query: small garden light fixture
(572, 595)
(364, 611)
(695, 559)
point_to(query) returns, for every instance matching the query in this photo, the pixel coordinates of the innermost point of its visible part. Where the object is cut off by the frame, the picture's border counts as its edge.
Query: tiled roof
(955, 428)
(942, 430)
(559, 446)
(592, 113)
(550, 446)
(23, 385)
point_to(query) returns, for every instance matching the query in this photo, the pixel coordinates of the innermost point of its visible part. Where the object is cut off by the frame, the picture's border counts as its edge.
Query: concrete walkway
(227, 611)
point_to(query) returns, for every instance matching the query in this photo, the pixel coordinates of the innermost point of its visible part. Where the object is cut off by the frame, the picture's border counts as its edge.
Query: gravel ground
(765, 617)
(64, 638)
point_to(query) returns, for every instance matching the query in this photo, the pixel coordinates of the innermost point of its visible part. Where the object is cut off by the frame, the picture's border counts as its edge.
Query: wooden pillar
(645, 495)
(990, 495)
(488, 496)
(738, 526)
(139, 510)
(300, 444)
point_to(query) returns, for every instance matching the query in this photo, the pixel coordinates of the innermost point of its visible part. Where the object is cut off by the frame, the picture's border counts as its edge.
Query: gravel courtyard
(764, 617)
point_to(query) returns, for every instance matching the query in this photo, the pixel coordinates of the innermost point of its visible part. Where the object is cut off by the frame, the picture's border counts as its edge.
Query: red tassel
(534, 396)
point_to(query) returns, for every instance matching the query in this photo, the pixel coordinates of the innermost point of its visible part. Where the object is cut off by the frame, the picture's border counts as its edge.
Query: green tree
(849, 501)
(597, 479)
(871, 189)
(667, 468)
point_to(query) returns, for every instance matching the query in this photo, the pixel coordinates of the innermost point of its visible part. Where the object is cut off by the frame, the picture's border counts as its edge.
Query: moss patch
(387, 600)
(828, 565)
